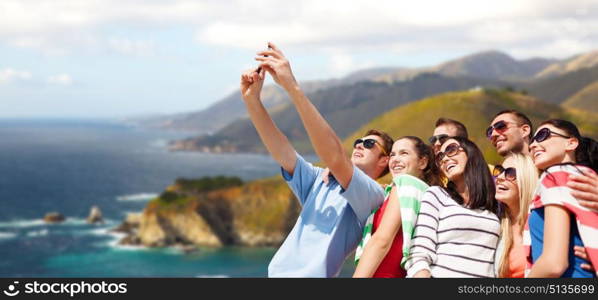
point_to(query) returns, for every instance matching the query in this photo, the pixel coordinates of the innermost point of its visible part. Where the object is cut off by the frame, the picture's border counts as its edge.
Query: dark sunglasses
(545, 133)
(368, 144)
(433, 139)
(510, 173)
(450, 151)
(499, 126)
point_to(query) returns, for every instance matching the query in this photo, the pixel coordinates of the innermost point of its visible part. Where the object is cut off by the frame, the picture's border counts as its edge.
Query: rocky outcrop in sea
(214, 213)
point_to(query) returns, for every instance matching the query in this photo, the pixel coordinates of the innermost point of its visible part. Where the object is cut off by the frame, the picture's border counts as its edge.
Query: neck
(371, 172)
(462, 190)
(569, 158)
(525, 149)
(513, 212)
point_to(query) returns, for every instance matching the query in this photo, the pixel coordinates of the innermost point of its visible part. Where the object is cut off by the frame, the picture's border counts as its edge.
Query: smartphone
(259, 69)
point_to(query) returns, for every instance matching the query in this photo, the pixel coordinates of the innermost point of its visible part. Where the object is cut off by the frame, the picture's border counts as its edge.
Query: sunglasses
(369, 144)
(499, 126)
(510, 173)
(433, 139)
(545, 133)
(450, 151)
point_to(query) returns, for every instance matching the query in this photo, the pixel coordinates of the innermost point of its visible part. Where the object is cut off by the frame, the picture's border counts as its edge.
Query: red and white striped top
(553, 190)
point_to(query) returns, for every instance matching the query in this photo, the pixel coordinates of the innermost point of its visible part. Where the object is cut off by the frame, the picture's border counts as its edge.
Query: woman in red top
(383, 252)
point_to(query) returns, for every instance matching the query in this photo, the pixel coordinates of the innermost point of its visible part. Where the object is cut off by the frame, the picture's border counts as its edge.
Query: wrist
(293, 89)
(251, 99)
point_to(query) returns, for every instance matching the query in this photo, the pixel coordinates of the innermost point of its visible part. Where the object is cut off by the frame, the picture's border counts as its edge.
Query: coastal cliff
(215, 212)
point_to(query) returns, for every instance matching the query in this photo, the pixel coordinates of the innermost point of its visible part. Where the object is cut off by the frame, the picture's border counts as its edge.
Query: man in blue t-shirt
(330, 225)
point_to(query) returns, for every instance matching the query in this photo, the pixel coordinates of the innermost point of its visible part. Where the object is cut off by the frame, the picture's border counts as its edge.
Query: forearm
(553, 261)
(372, 256)
(422, 274)
(545, 268)
(274, 140)
(326, 143)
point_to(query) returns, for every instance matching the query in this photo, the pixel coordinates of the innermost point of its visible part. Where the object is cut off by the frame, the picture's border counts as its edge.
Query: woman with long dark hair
(556, 221)
(457, 229)
(389, 229)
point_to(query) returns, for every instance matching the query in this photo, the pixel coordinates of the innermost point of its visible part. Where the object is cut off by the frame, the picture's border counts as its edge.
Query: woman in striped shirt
(556, 221)
(389, 229)
(457, 229)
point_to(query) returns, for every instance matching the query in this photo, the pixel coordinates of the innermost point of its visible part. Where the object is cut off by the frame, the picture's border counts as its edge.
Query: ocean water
(69, 166)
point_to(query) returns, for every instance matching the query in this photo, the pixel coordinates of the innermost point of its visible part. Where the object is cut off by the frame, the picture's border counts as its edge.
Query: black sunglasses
(499, 126)
(510, 173)
(368, 144)
(438, 138)
(450, 151)
(544, 133)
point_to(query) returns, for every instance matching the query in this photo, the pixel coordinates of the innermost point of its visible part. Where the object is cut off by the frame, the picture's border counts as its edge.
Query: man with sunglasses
(444, 129)
(510, 131)
(332, 217)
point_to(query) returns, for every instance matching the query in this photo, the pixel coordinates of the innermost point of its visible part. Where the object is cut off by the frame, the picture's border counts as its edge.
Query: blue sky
(109, 58)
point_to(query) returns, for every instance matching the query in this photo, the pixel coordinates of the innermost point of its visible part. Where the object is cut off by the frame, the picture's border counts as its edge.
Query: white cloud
(66, 26)
(406, 26)
(130, 47)
(61, 79)
(9, 75)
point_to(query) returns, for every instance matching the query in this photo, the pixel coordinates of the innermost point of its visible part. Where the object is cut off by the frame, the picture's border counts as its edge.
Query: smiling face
(405, 160)
(511, 138)
(554, 150)
(507, 191)
(453, 167)
(369, 159)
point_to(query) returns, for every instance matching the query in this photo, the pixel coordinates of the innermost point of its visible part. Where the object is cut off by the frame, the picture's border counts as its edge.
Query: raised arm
(275, 141)
(326, 143)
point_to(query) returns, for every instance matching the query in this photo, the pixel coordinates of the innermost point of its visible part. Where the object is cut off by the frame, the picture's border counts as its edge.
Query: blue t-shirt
(536, 226)
(330, 224)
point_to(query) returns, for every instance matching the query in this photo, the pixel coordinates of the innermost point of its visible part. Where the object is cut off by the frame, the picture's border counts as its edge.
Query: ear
(526, 130)
(572, 144)
(423, 163)
(383, 161)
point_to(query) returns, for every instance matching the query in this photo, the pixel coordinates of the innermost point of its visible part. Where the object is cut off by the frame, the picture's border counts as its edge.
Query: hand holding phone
(259, 69)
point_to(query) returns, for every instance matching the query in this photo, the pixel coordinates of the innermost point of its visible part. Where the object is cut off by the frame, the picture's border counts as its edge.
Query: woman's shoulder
(409, 180)
(558, 175)
(567, 168)
(437, 192)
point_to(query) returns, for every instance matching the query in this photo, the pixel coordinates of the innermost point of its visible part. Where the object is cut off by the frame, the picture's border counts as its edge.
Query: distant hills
(475, 109)
(355, 99)
(585, 99)
(488, 65)
(572, 64)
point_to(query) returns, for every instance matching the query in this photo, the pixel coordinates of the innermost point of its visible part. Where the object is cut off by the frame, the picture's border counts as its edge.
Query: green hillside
(475, 109)
(586, 99)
